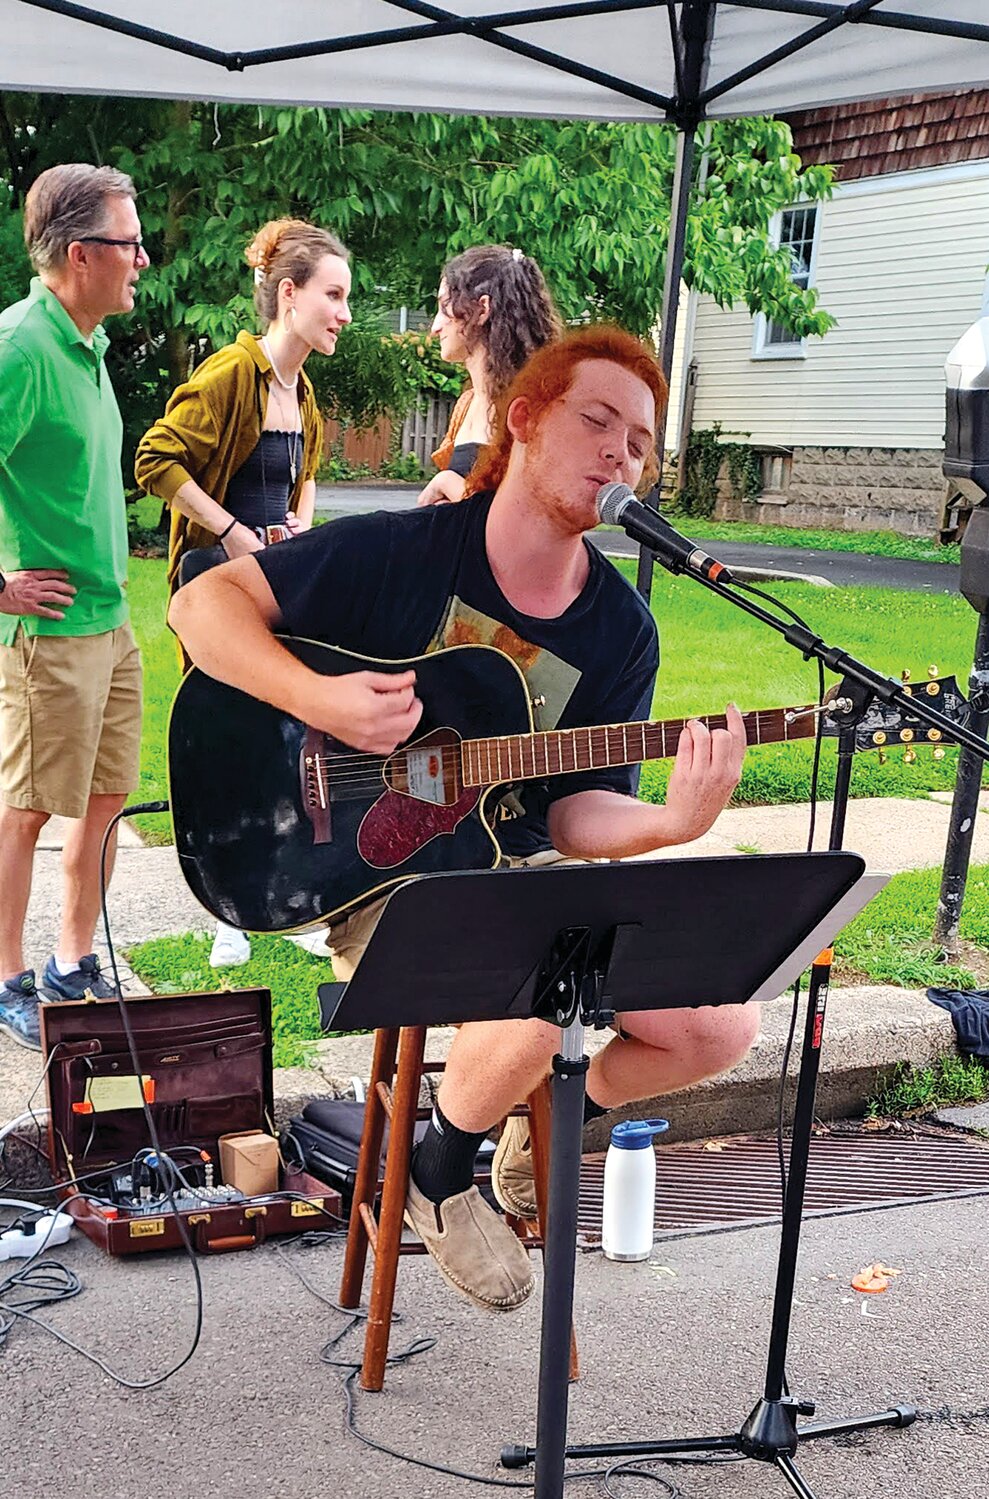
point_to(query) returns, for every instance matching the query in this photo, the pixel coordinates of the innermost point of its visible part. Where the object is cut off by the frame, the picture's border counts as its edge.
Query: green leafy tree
(590, 201)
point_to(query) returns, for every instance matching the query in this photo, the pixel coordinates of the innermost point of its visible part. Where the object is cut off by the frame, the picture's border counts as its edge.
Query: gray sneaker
(82, 981)
(19, 1010)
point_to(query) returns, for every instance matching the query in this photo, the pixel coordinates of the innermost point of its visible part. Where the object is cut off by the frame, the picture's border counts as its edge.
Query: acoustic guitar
(279, 826)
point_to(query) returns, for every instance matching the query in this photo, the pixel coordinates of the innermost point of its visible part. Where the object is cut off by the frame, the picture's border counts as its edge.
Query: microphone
(617, 506)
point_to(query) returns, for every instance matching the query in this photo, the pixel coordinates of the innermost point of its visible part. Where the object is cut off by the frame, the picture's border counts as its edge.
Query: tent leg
(679, 208)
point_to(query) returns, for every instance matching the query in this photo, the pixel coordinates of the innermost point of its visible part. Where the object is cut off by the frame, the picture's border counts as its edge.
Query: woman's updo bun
(287, 248)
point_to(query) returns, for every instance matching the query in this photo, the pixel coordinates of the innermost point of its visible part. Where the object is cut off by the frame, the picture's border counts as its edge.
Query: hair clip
(258, 275)
(517, 255)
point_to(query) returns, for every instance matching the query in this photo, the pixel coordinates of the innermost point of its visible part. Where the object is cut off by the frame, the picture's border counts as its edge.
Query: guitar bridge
(315, 785)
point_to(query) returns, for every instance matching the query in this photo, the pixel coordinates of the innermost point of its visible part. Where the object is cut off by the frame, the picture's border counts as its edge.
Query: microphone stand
(770, 1433)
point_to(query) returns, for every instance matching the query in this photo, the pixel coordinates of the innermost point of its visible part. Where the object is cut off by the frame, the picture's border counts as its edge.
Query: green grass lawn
(872, 543)
(180, 965)
(890, 941)
(712, 653)
(161, 677)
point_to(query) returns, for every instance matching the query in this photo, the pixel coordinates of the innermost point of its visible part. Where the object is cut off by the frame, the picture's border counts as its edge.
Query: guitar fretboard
(520, 757)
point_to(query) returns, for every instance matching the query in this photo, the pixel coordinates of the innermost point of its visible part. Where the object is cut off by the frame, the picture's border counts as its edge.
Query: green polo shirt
(61, 488)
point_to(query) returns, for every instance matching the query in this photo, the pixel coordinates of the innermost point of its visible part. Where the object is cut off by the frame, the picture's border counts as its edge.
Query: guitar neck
(523, 757)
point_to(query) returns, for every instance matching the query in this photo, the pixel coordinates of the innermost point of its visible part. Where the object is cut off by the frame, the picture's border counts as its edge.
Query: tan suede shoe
(512, 1178)
(473, 1248)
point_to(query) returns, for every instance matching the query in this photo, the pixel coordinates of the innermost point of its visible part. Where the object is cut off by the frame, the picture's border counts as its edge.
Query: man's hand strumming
(374, 711)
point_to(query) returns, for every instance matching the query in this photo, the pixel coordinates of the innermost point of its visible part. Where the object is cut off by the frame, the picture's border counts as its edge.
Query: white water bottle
(630, 1189)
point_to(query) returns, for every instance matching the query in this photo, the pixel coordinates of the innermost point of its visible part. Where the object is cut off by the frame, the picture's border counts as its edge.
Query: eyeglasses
(137, 245)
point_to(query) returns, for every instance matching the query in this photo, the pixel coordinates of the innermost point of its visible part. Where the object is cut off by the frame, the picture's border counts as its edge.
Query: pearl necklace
(285, 384)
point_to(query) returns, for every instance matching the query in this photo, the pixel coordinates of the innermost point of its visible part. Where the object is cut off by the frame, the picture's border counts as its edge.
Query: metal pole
(965, 804)
(803, 1116)
(560, 1236)
(692, 37)
(679, 209)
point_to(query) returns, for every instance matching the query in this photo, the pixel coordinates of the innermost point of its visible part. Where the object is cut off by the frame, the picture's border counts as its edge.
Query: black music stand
(574, 946)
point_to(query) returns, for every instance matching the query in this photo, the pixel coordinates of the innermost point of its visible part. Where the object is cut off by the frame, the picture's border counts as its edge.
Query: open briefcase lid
(205, 1070)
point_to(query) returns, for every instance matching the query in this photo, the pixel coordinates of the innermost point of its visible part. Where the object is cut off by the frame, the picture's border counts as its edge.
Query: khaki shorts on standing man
(70, 672)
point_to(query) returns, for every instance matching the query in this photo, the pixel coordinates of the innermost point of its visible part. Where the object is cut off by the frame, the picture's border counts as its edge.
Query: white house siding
(901, 263)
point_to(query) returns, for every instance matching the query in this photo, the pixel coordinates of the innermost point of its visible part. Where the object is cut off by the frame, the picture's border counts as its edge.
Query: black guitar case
(325, 1138)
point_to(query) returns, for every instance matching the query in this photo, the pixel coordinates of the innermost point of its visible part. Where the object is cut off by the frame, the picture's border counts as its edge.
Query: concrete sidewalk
(869, 1027)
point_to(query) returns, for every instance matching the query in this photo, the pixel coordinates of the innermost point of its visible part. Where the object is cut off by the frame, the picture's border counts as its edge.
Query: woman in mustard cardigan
(236, 452)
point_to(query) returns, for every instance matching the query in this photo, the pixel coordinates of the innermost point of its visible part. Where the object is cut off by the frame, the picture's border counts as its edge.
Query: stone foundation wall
(850, 489)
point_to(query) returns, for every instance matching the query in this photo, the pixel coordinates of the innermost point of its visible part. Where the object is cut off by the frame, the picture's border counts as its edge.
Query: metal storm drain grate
(737, 1181)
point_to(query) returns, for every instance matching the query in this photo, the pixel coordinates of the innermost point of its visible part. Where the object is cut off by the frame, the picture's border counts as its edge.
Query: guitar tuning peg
(937, 753)
(932, 670)
(905, 674)
(882, 757)
(909, 756)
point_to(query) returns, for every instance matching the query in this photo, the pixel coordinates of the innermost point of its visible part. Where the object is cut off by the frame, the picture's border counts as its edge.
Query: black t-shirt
(397, 585)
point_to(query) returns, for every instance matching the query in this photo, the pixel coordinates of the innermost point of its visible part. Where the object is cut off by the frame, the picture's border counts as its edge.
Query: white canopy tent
(613, 59)
(646, 60)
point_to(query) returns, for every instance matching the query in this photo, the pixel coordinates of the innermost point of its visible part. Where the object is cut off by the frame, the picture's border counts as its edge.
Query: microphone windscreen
(611, 501)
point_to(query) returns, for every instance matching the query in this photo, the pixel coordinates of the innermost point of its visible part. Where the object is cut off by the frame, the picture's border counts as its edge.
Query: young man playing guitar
(510, 569)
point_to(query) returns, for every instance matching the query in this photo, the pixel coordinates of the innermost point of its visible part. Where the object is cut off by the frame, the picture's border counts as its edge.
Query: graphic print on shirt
(550, 680)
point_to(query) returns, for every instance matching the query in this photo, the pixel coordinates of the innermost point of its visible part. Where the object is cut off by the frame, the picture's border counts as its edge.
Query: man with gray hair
(70, 672)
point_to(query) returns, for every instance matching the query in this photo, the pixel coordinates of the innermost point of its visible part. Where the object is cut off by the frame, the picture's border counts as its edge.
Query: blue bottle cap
(637, 1134)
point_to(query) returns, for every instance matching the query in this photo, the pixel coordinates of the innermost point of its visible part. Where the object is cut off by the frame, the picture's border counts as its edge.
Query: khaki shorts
(70, 720)
(348, 938)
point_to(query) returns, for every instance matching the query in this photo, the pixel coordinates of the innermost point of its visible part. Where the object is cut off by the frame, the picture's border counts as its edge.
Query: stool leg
(412, 1048)
(540, 1124)
(368, 1162)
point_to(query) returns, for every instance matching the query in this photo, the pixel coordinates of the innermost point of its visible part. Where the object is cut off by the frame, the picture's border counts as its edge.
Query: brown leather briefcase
(205, 1071)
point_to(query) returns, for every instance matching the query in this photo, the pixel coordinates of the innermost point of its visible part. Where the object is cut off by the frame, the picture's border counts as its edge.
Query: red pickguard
(398, 826)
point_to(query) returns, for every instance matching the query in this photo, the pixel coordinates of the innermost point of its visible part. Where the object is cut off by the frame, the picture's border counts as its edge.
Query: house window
(776, 468)
(796, 231)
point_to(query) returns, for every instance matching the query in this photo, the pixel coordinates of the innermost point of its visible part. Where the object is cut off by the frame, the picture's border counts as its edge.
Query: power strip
(50, 1229)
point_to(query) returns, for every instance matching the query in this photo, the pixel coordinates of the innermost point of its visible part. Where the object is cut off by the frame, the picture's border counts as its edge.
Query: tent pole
(679, 208)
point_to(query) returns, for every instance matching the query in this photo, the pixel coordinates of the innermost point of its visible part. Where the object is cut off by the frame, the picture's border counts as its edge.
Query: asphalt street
(840, 568)
(675, 1347)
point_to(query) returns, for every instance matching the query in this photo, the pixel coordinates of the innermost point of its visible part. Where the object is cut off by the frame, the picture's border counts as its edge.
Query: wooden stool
(394, 1093)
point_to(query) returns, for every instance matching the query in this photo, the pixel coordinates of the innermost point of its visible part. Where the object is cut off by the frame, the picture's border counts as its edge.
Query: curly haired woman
(493, 311)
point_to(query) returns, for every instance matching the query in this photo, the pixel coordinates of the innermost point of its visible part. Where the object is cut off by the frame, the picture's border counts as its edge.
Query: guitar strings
(512, 743)
(757, 718)
(367, 772)
(357, 770)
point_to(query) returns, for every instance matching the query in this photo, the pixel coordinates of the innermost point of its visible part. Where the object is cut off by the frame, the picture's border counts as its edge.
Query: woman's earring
(289, 319)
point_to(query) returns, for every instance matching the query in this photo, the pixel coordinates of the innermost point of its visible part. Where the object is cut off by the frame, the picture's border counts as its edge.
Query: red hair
(548, 374)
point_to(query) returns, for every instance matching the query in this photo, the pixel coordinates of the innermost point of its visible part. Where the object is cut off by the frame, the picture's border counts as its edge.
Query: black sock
(443, 1163)
(592, 1110)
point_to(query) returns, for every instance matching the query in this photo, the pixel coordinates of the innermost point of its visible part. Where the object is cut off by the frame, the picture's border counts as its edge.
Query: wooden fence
(421, 432)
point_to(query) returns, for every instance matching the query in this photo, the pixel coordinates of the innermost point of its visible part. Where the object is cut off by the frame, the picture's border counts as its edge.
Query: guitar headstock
(886, 726)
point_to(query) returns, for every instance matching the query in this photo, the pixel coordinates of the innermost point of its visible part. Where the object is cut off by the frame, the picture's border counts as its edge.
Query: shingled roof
(877, 136)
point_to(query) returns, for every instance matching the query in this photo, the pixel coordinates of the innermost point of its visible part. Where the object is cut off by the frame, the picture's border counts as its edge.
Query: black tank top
(463, 458)
(258, 492)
